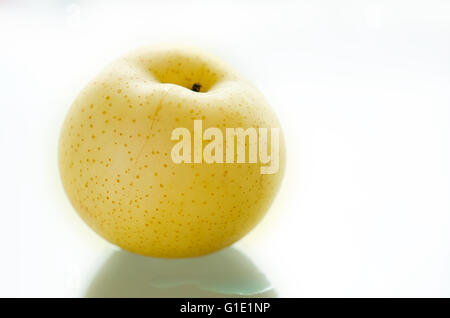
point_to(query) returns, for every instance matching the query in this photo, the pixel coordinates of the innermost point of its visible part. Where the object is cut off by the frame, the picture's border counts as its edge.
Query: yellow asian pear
(152, 191)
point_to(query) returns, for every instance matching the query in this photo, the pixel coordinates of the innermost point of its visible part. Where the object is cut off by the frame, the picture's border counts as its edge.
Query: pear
(151, 191)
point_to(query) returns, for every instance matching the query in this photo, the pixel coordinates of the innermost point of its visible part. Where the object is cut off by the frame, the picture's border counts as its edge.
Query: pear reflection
(227, 273)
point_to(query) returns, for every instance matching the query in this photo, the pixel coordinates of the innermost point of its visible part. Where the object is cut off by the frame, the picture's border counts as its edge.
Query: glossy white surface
(361, 88)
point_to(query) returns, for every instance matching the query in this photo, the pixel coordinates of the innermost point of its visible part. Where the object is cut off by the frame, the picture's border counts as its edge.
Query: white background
(361, 89)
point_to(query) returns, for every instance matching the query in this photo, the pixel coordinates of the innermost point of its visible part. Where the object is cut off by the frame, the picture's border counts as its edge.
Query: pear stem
(196, 87)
